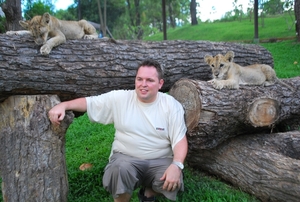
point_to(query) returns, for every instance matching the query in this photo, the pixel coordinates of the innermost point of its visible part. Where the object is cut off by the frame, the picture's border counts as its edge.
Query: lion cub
(47, 26)
(227, 74)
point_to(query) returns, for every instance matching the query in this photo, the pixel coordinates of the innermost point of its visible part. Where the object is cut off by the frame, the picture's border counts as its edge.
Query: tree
(273, 7)
(102, 17)
(134, 12)
(37, 8)
(193, 10)
(83, 62)
(297, 17)
(89, 10)
(13, 14)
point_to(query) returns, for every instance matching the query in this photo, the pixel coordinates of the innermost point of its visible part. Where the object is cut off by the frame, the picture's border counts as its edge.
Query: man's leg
(152, 181)
(122, 176)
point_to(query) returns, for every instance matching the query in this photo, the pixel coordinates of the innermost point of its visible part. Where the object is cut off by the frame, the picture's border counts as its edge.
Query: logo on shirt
(160, 129)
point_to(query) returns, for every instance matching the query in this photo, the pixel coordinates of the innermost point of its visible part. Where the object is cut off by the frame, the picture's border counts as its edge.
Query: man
(150, 145)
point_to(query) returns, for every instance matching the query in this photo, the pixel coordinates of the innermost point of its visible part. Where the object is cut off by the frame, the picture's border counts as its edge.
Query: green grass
(274, 27)
(87, 186)
(286, 58)
(91, 143)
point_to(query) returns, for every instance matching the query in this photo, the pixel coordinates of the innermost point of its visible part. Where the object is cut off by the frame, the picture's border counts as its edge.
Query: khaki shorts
(124, 174)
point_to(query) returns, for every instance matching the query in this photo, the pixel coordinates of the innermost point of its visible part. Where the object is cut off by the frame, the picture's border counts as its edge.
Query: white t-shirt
(143, 130)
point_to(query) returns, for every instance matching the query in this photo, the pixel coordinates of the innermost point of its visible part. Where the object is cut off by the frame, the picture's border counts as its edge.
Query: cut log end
(263, 112)
(187, 94)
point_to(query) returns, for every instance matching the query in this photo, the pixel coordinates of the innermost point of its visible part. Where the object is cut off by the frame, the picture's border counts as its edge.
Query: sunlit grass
(274, 27)
(91, 143)
(286, 58)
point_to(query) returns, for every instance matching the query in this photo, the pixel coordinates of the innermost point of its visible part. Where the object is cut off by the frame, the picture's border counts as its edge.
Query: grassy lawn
(91, 143)
(286, 58)
(87, 142)
(274, 27)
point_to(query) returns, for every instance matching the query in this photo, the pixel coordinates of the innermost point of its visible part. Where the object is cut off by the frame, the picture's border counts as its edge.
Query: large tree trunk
(193, 10)
(84, 67)
(13, 14)
(265, 165)
(297, 17)
(212, 116)
(32, 151)
(221, 124)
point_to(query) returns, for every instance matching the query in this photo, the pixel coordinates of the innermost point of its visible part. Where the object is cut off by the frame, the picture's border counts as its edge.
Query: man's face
(147, 84)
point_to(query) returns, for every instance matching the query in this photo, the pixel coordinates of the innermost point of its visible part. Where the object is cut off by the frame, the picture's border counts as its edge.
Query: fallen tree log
(229, 135)
(213, 116)
(90, 67)
(32, 150)
(265, 165)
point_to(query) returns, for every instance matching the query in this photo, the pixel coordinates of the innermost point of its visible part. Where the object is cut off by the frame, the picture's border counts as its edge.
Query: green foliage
(2, 24)
(87, 142)
(37, 8)
(65, 15)
(286, 58)
(273, 7)
(239, 31)
(91, 143)
(143, 19)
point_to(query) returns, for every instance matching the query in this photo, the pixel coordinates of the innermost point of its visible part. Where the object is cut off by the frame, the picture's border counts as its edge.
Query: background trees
(134, 19)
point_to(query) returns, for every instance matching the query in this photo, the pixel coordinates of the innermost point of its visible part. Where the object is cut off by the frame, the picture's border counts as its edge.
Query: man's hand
(172, 178)
(57, 114)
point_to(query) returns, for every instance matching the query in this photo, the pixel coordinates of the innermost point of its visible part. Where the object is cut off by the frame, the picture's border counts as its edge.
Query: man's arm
(57, 113)
(173, 173)
(180, 150)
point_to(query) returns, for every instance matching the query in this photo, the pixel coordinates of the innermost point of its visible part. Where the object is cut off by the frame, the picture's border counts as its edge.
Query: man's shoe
(143, 198)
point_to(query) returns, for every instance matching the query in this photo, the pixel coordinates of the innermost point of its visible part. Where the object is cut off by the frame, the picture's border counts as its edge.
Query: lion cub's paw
(90, 37)
(12, 33)
(218, 85)
(45, 49)
(211, 81)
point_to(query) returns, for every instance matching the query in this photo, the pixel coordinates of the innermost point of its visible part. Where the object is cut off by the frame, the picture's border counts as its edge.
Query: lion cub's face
(219, 64)
(39, 27)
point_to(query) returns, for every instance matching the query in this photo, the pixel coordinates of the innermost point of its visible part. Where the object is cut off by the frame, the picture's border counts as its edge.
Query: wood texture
(265, 165)
(212, 116)
(229, 135)
(32, 151)
(91, 67)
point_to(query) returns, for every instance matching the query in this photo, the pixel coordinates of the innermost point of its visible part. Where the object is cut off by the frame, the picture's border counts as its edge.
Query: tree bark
(297, 17)
(84, 67)
(13, 14)
(265, 165)
(193, 10)
(32, 151)
(212, 116)
(221, 127)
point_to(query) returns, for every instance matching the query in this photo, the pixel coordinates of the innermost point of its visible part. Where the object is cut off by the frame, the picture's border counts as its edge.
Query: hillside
(281, 26)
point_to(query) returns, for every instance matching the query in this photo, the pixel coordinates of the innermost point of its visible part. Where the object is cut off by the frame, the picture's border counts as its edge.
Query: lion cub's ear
(208, 58)
(24, 24)
(46, 18)
(229, 56)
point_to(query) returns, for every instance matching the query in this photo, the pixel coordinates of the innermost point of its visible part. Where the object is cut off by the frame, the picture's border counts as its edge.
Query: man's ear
(161, 83)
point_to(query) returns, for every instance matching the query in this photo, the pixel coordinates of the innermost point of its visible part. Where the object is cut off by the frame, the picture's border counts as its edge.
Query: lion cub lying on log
(47, 26)
(227, 74)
